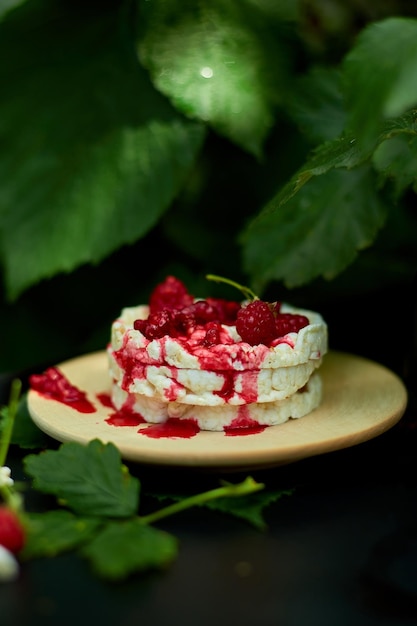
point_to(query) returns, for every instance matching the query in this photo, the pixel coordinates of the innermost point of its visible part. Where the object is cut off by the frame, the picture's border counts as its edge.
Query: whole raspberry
(289, 323)
(12, 534)
(255, 323)
(227, 310)
(170, 294)
(212, 336)
(156, 325)
(198, 313)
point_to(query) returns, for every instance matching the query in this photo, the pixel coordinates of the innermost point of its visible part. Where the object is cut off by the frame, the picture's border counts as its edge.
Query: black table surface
(340, 550)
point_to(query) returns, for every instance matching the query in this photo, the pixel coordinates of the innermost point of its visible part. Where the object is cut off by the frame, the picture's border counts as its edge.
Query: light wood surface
(361, 400)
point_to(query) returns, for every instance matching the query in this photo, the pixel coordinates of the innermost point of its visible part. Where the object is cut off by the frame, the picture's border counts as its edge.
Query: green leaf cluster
(99, 501)
(109, 113)
(272, 142)
(100, 518)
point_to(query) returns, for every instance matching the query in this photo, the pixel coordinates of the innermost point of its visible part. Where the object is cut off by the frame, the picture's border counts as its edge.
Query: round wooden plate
(361, 400)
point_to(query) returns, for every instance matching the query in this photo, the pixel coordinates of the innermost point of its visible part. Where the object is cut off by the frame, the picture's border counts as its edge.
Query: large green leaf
(290, 239)
(90, 479)
(91, 154)
(218, 61)
(286, 10)
(53, 532)
(396, 160)
(344, 152)
(130, 546)
(381, 75)
(8, 5)
(318, 232)
(316, 104)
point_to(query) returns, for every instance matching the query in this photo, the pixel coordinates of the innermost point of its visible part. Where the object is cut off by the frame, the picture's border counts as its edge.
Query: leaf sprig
(101, 500)
(98, 511)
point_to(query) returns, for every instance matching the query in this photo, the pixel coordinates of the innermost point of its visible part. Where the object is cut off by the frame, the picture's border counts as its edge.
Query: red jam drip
(250, 429)
(173, 428)
(53, 384)
(250, 387)
(125, 417)
(228, 388)
(172, 392)
(243, 425)
(249, 391)
(105, 400)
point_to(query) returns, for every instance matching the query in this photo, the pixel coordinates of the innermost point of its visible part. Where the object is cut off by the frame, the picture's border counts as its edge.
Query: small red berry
(227, 310)
(255, 323)
(156, 325)
(12, 534)
(289, 323)
(170, 294)
(198, 313)
(212, 336)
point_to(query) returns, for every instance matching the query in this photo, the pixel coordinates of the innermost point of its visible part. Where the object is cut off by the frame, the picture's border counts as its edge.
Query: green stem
(248, 293)
(9, 421)
(248, 486)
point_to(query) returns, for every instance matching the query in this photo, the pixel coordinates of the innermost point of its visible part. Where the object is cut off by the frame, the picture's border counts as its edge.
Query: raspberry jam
(173, 428)
(243, 425)
(53, 384)
(124, 417)
(105, 399)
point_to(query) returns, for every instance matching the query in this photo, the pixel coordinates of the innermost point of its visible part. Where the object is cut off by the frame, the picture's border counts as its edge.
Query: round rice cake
(216, 385)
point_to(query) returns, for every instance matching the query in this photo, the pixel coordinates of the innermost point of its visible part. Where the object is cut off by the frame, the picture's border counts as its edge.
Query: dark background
(342, 549)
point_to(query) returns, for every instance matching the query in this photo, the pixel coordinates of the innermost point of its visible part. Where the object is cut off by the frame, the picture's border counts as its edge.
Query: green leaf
(289, 239)
(287, 10)
(317, 105)
(227, 490)
(318, 232)
(245, 500)
(249, 508)
(90, 479)
(8, 5)
(381, 75)
(127, 547)
(219, 62)
(92, 155)
(396, 160)
(53, 532)
(343, 152)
